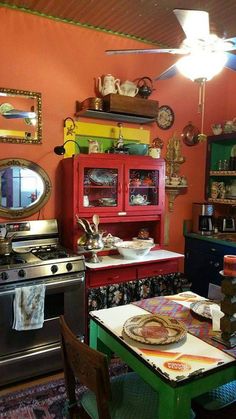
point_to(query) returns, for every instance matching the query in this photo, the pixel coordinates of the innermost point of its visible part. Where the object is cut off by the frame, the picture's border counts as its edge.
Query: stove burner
(50, 253)
(11, 260)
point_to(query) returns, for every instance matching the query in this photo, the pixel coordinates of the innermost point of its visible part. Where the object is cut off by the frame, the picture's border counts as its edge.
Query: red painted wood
(132, 217)
(158, 268)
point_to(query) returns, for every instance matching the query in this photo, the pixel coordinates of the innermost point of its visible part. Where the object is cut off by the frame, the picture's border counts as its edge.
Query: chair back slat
(88, 365)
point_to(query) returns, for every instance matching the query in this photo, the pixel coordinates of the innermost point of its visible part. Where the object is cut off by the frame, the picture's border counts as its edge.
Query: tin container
(91, 103)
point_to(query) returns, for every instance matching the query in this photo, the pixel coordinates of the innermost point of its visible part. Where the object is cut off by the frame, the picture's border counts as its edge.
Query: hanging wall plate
(190, 134)
(165, 117)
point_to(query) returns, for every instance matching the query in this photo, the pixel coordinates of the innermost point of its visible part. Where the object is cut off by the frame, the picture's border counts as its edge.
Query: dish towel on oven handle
(28, 307)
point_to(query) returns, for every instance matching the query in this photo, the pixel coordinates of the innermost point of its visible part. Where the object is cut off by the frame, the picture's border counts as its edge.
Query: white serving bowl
(133, 249)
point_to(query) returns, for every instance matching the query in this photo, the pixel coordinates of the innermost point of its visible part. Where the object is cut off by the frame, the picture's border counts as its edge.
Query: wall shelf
(173, 192)
(222, 173)
(222, 201)
(112, 116)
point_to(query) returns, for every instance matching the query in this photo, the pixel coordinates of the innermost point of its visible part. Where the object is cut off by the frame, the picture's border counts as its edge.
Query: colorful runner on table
(199, 328)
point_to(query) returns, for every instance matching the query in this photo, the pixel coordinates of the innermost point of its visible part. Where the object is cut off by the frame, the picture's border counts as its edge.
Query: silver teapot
(94, 241)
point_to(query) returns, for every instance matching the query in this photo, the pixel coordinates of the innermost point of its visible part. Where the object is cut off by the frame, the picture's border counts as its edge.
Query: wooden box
(116, 103)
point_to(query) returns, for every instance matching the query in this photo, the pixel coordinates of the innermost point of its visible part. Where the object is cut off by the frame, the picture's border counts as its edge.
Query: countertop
(226, 239)
(118, 260)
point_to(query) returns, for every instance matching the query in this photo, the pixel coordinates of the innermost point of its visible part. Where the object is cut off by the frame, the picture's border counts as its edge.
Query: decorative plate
(102, 177)
(165, 117)
(154, 329)
(203, 308)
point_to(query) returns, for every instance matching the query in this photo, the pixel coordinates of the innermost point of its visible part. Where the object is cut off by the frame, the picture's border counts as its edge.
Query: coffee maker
(202, 218)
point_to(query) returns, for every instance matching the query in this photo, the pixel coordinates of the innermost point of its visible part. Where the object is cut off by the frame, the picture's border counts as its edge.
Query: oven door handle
(50, 285)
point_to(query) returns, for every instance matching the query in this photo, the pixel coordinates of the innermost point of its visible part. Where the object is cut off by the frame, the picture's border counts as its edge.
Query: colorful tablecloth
(198, 328)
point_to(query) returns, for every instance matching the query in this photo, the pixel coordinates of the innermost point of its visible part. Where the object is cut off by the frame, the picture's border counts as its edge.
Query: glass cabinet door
(143, 187)
(101, 188)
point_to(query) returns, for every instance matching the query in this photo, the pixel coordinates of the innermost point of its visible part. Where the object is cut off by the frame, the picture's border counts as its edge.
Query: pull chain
(201, 101)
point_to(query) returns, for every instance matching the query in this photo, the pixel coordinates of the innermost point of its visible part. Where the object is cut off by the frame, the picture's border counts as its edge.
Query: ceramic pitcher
(109, 84)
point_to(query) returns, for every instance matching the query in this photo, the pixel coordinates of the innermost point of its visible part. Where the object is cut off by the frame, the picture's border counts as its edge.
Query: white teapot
(109, 85)
(128, 88)
(138, 199)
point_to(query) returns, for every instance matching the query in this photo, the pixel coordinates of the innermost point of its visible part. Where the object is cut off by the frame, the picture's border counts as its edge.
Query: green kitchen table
(178, 371)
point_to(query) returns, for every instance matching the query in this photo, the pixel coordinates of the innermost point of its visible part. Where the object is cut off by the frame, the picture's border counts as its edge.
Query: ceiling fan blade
(231, 62)
(232, 44)
(195, 23)
(167, 74)
(147, 51)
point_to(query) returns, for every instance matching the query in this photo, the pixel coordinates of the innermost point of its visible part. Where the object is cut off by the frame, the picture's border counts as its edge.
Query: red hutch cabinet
(127, 192)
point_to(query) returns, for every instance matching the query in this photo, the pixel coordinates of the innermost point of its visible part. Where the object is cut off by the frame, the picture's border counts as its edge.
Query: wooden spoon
(96, 220)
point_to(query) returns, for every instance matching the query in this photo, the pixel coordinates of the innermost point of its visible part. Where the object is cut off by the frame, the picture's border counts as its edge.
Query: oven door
(64, 296)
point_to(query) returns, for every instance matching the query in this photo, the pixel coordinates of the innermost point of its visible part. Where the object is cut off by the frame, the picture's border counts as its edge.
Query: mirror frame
(32, 209)
(38, 128)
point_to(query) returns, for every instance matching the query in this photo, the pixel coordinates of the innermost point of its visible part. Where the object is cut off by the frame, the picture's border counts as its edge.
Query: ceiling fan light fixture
(203, 65)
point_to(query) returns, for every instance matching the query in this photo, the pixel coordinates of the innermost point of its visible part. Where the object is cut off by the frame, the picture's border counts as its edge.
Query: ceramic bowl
(134, 249)
(138, 149)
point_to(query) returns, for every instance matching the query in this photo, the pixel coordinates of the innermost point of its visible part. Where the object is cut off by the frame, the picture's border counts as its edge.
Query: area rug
(45, 401)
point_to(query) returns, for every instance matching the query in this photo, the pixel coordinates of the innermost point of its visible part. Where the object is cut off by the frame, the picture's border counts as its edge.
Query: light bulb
(201, 65)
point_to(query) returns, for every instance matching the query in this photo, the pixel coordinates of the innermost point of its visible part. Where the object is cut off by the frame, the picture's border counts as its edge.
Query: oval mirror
(24, 188)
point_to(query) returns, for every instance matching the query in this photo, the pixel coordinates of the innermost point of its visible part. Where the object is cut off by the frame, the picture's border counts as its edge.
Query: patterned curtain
(127, 292)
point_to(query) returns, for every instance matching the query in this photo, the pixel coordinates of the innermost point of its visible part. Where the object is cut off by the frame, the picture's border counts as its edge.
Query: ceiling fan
(205, 54)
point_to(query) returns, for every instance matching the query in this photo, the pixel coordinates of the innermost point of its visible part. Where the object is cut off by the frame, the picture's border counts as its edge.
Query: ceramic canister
(230, 265)
(154, 152)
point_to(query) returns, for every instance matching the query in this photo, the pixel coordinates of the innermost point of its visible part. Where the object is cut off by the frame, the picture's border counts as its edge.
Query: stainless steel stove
(36, 252)
(37, 257)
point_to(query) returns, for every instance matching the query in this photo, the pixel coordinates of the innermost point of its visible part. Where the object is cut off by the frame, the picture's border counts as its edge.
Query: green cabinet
(221, 169)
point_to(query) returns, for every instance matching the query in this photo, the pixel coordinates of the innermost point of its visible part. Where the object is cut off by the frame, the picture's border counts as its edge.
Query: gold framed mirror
(24, 188)
(20, 116)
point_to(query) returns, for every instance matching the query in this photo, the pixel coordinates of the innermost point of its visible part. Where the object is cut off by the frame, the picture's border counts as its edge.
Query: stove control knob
(4, 276)
(69, 266)
(54, 269)
(21, 273)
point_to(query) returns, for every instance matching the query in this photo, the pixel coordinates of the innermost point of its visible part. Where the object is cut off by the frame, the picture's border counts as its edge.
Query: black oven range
(38, 258)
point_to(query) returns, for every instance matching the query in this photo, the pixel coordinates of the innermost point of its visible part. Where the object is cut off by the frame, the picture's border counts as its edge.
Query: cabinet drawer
(111, 276)
(210, 247)
(160, 268)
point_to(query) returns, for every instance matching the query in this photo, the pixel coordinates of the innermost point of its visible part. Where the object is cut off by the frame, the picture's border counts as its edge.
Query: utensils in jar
(85, 224)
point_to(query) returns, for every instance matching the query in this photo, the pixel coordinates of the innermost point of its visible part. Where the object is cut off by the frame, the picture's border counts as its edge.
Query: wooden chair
(127, 396)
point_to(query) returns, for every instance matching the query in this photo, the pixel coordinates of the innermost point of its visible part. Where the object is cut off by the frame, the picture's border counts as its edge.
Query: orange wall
(63, 61)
